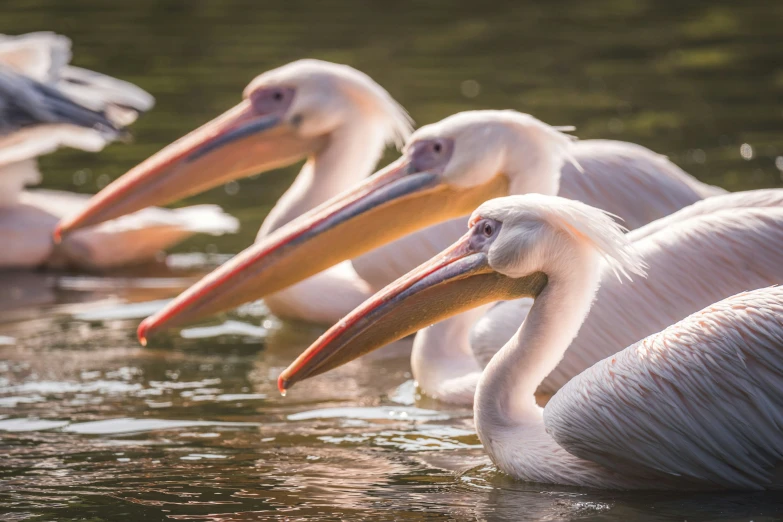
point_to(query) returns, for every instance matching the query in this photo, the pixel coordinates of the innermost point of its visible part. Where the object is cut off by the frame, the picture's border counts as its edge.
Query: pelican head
(289, 113)
(514, 247)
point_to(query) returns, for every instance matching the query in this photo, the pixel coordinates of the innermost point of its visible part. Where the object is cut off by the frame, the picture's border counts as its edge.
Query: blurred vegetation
(692, 80)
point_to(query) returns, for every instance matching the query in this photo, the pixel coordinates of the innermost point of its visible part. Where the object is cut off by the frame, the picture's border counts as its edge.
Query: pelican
(333, 115)
(447, 170)
(46, 104)
(705, 252)
(697, 405)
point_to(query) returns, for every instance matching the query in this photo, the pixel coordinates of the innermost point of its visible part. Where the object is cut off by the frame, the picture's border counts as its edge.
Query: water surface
(95, 427)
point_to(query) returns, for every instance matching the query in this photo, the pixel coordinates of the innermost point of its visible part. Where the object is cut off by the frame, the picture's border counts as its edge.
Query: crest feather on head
(587, 225)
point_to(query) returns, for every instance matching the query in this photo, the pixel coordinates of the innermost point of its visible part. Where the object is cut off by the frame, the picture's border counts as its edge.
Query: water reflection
(96, 427)
(225, 328)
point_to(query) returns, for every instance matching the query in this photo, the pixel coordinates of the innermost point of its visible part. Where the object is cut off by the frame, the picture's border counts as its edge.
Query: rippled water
(95, 427)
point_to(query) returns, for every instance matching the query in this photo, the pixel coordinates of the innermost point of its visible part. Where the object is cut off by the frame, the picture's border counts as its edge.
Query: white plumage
(46, 104)
(697, 405)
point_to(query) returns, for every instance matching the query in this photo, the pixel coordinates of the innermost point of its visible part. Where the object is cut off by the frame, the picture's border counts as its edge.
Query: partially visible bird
(46, 104)
(698, 405)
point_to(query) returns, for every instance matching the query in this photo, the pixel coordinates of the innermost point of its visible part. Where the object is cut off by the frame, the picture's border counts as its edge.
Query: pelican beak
(236, 144)
(456, 280)
(390, 204)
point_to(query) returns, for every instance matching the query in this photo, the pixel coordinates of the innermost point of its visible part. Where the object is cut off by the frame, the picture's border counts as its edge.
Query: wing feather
(690, 265)
(702, 399)
(629, 181)
(746, 199)
(25, 102)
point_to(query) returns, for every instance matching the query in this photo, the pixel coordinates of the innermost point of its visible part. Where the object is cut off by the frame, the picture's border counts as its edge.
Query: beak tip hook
(142, 331)
(282, 385)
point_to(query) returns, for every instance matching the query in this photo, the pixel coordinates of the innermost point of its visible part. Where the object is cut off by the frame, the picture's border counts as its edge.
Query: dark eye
(484, 231)
(487, 229)
(430, 154)
(278, 96)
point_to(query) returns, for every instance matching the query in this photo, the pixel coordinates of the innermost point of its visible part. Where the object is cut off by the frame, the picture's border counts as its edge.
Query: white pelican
(704, 253)
(698, 405)
(45, 104)
(333, 115)
(447, 169)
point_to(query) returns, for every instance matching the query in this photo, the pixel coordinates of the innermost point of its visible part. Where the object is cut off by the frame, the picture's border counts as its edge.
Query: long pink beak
(388, 205)
(236, 144)
(456, 280)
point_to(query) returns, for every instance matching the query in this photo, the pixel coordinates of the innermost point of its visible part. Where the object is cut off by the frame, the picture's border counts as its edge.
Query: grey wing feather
(25, 102)
(702, 400)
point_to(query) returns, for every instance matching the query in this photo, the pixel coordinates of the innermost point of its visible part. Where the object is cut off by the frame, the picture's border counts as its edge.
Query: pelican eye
(487, 229)
(272, 100)
(430, 154)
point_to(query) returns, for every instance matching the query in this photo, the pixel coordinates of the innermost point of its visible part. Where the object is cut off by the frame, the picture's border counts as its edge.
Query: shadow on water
(95, 427)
